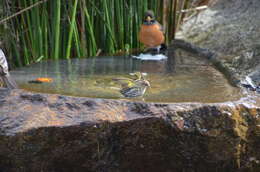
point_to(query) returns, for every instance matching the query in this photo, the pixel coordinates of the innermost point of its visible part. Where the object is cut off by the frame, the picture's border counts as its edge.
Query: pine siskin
(133, 87)
(137, 90)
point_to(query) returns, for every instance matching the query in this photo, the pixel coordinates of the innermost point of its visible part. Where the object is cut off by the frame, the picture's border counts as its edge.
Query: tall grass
(80, 28)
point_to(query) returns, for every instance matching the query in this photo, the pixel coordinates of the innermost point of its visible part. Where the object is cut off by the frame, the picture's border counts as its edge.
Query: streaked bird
(4, 73)
(137, 90)
(131, 88)
(151, 32)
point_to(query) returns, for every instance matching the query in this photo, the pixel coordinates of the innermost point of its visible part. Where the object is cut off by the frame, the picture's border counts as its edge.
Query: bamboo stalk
(174, 18)
(71, 28)
(61, 29)
(90, 30)
(57, 29)
(22, 11)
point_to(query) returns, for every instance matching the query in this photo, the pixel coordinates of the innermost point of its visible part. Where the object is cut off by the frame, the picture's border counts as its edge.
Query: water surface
(181, 78)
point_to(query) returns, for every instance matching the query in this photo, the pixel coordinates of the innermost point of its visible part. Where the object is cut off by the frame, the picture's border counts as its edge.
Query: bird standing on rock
(4, 74)
(151, 32)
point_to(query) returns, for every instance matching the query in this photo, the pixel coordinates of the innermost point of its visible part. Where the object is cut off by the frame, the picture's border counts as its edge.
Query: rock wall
(231, 29)
(41, 132)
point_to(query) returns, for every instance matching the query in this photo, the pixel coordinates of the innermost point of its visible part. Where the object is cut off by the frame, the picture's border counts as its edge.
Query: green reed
(58, 29)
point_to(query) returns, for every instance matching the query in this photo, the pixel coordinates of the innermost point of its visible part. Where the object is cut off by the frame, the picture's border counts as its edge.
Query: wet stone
(113, 134)
(34, 98)
(87, 134)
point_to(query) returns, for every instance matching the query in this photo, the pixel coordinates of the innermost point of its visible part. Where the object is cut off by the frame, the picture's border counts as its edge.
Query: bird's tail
(9, 82)
(163, 47)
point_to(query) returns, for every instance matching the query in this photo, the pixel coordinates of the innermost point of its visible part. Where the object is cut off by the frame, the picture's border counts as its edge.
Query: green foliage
(77, 28)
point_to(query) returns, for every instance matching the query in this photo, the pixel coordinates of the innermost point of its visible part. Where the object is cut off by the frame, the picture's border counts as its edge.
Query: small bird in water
(137, 90)
(4, 74)
(151, 32)
(131, 88)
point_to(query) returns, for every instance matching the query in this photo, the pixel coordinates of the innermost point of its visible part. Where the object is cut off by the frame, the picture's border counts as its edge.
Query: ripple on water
(182, 78)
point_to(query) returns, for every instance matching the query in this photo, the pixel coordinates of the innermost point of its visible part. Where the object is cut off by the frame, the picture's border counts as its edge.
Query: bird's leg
(152, 49)
(158, 49)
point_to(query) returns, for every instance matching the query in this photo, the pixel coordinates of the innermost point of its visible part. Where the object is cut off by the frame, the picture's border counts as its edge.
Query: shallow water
(181, 78)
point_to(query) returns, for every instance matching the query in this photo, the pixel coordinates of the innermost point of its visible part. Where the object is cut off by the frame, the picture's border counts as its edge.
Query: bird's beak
(148, 18)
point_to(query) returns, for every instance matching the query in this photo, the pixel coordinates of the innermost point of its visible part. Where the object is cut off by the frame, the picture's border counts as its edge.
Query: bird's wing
(3, 63)
(4, 74)
(160, 27)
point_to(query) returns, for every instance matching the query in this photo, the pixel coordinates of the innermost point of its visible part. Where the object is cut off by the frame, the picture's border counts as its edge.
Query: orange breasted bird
(151, 32)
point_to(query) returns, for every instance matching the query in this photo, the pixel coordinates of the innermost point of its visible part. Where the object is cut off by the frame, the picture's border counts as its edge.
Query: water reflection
(181, 78)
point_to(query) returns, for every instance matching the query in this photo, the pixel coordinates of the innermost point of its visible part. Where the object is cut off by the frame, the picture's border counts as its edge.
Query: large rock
(54, 133)
(230, 28)
(41, 132)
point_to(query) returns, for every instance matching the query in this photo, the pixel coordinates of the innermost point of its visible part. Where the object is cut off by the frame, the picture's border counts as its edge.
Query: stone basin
(183, 77)
(53, 132)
